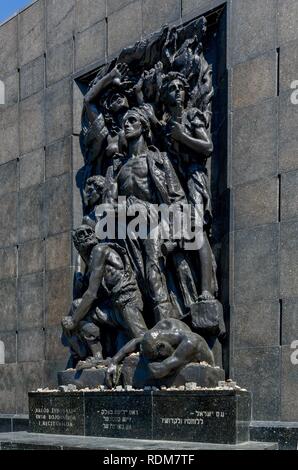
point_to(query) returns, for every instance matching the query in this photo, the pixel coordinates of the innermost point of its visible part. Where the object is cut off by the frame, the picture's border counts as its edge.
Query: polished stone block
(31, 32)
(32, 77)
(168, 12)
(60, 16)
(31, 213)
(59, 62)
(32, 168)
(31, 257)
(207, 416)
(30, 294)
(8, 263)
(286, 20)
(9, 132)
(8, 216)
(253, 28)
(254, 81)
(289, 259)
(56, 413)
(254, 146)
(9, 47)
(215, 416)
(32, 110)
(124, 27)
(119, 414)
(58, 110)
(289, 196)
(90, 45)
(58, 158)
(89, 12)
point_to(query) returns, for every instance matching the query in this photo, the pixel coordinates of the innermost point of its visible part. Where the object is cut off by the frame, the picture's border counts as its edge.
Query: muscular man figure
(108, 267)
(167, 347)
(147, 177)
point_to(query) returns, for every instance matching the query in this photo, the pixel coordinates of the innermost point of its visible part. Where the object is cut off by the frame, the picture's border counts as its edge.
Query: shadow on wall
(2, 353)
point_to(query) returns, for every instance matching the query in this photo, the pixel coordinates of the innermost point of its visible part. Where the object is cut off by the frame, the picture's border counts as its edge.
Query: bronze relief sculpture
(146, 139)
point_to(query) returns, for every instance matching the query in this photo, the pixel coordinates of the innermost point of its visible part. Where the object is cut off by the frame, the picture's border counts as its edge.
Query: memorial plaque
(207, 416)
(119, 414)
(56, 413)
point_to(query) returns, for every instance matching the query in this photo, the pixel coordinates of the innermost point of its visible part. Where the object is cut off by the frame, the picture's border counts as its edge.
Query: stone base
(134, 372)
(30, 441)
(214, 416)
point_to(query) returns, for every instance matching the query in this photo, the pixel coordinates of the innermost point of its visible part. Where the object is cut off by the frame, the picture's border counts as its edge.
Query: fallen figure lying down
(167, 347)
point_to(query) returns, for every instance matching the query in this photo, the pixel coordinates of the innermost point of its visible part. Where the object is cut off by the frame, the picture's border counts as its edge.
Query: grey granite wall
(47, 46)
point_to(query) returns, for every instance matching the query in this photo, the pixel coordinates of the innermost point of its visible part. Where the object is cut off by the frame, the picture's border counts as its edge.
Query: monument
(145, 317)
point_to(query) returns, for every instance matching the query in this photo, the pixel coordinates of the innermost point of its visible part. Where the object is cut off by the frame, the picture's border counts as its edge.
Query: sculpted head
(154, 349)
(116, 102)
(92, 193)
(174, 89)
(84, 238)
(135, 124)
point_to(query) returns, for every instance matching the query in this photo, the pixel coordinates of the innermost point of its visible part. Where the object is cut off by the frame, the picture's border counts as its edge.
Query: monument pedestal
(212, 415)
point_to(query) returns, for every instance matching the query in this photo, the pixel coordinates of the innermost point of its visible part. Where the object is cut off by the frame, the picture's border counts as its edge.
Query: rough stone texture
(288, 65)
(289, 195)
(191, 6)
(254, 80)
(32, 111)
(8, 388)
(58, 111)
(31, 257)
(289, 321)
(31, 32)
(8, 301)
(10, 344)
(264, 384)
(30, 345)
(8, 177)
(256, 324)
(8, 217)
(32, 77)
(8, 263)
(254, 152)
(58, 204)
(32, 168)
(113, 5)
(59, 62)
(256, 264)
(9, 47)
(58, 158)
(77, 105)
(286, 20)
(58, 251)
(89, 12)
(253, 28)
(124, 27)
(60, 21)
(168, 12)
(256, 203)
(11, 88)
(30, 302)
(54, 349)
(30, 377)
(9, 134)
(31, 213)
(288, 129)
(58, 296)
(289, 259)
(85, 53)
(289, 383)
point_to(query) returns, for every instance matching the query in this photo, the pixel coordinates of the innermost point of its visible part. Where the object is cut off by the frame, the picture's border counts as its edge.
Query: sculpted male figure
(167, 347)
(146, 178)
(107, 268)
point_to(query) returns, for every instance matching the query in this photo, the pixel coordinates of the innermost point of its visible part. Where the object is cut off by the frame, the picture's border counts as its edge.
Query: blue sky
(9, 7)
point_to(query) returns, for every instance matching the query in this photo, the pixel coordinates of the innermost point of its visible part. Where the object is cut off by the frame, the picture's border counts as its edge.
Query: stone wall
(43, 50)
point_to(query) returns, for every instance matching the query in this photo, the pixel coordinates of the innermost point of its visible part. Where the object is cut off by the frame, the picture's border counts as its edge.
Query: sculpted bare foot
(206, 295)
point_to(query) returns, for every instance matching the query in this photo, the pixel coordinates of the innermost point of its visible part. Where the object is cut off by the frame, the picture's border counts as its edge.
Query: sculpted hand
(111, 374)
(177, 131)
(68, 323)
